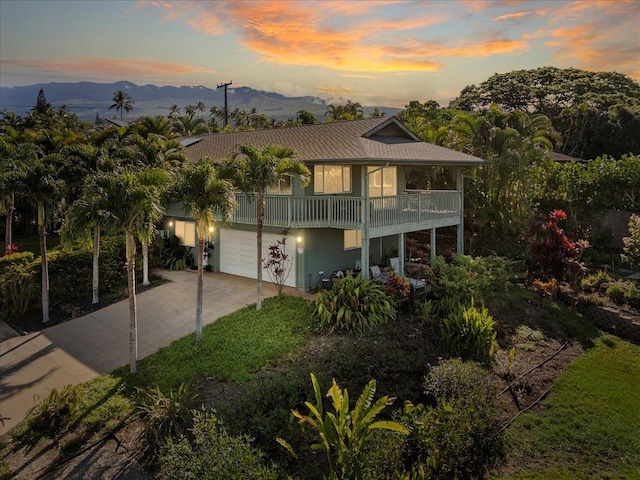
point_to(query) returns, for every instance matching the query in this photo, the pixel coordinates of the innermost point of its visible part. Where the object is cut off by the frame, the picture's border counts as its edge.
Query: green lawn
(589, 427)
(232, 348)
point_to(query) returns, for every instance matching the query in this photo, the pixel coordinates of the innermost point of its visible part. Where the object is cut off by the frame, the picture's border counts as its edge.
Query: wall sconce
(171, 223)
(210, 232)
(299, 245)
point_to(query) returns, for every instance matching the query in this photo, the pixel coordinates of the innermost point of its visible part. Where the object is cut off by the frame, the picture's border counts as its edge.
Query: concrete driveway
(80, 349)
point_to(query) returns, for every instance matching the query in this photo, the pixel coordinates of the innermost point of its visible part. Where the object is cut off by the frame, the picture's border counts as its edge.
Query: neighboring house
(109, 122)
(354, 213)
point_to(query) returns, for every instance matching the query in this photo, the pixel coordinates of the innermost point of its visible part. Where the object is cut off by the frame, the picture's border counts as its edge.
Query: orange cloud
(510, 16)
(109, 67)
(590, 46)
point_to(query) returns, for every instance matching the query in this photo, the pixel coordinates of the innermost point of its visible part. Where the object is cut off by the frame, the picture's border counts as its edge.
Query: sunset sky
(373, 52)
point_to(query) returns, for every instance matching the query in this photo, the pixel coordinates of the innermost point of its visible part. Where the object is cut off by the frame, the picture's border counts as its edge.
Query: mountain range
(87, 99)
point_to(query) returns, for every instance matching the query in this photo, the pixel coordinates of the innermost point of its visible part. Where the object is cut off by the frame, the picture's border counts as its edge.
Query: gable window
(331, 179)
(383, 182)
(186, 232)
(352, 239)
(283, 187)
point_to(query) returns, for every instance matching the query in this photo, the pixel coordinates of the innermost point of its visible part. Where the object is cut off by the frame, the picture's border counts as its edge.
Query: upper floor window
(283, 187)
(383, 182)
(331, 179)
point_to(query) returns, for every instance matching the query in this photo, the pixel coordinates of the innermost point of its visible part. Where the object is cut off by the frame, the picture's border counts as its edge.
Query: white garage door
(238, 253)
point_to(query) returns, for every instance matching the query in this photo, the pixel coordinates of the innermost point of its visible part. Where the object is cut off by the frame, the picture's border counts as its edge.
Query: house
(355, 212)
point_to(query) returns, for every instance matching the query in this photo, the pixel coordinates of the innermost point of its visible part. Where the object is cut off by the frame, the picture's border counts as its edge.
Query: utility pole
(226, 107)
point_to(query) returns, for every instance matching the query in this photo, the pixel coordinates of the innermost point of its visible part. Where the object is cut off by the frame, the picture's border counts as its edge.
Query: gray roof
(368, 141)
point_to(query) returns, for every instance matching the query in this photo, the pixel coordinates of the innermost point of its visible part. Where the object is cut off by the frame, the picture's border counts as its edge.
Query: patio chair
(377, 275)
(325, 283)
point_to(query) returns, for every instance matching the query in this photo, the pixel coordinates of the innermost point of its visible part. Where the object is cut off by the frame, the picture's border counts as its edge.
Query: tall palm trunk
(42, 233)
(259, 234)
(8, 234)
(145, 261)
(199, 288)
(133, 312)
(96, 265)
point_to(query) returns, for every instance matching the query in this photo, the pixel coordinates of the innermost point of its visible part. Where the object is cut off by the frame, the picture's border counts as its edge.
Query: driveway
(83, 348)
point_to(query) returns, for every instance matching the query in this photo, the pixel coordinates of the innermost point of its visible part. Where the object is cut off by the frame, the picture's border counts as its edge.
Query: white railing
(346, 212)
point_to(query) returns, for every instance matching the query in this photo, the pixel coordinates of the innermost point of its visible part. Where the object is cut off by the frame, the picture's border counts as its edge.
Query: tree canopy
(595, 113)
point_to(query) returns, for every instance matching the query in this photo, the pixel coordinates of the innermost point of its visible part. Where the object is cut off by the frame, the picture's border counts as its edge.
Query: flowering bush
(553, 255)
(11, 249)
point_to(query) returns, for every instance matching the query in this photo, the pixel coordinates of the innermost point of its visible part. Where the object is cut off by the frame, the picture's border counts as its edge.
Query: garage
(238, 253)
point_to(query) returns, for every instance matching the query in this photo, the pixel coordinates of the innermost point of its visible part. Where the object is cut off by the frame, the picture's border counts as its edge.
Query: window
(383, 182)
(186, 232)
(332, 179)
(282, 188)
(352, 239)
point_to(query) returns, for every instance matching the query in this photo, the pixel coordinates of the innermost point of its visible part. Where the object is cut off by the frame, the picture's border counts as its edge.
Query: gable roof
(367, 141)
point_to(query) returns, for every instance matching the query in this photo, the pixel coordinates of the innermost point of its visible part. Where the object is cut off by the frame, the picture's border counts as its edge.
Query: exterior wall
(324, 251)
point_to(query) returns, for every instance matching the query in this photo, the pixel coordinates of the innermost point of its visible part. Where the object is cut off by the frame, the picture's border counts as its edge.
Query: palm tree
(158, 125)
(174, 111)
(200, 107)
(352, 110)
(132, 202)
(202, 191)
(190, 111)
(86, 217)
(253, 170)
(12, 173)
(43, 186)
(155, 151)
(122, 101)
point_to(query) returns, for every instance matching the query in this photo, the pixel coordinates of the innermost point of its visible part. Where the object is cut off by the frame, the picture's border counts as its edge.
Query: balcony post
(460, 227)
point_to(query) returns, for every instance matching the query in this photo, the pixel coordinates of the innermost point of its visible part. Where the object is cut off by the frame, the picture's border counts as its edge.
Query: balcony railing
(347, 212)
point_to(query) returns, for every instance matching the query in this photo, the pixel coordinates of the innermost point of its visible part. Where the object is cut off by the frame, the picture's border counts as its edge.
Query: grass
(232, 348)
(590, 426)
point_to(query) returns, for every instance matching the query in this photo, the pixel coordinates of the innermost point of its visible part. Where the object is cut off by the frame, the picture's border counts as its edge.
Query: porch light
(299, 245)
(171, 223)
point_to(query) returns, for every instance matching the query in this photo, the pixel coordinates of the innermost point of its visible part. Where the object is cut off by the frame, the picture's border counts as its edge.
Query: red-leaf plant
(553, 255)
(278, 263)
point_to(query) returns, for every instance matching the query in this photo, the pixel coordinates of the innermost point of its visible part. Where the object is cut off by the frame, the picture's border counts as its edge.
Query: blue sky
(373, 52)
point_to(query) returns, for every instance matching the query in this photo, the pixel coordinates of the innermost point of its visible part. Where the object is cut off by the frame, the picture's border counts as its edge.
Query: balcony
(387, 215)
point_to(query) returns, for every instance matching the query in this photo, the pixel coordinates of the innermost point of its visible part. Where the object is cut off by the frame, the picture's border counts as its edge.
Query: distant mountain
(85, 99)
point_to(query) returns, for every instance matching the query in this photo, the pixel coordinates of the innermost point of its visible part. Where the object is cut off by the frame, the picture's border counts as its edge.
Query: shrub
(175, 256)
(398, 287)
(616, 291)
(165, 417)
(17, 279)
(553, 255)
(70, 275)
(344, 434)
(354, 303)
(458, 436)
(631, 243)
(210, 452)
(595, 281)
(469, 333)
(52, 415)
(453, 284)
(278, 263)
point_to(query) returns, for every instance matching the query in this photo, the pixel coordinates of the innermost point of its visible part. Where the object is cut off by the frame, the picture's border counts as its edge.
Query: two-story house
(355, 209)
